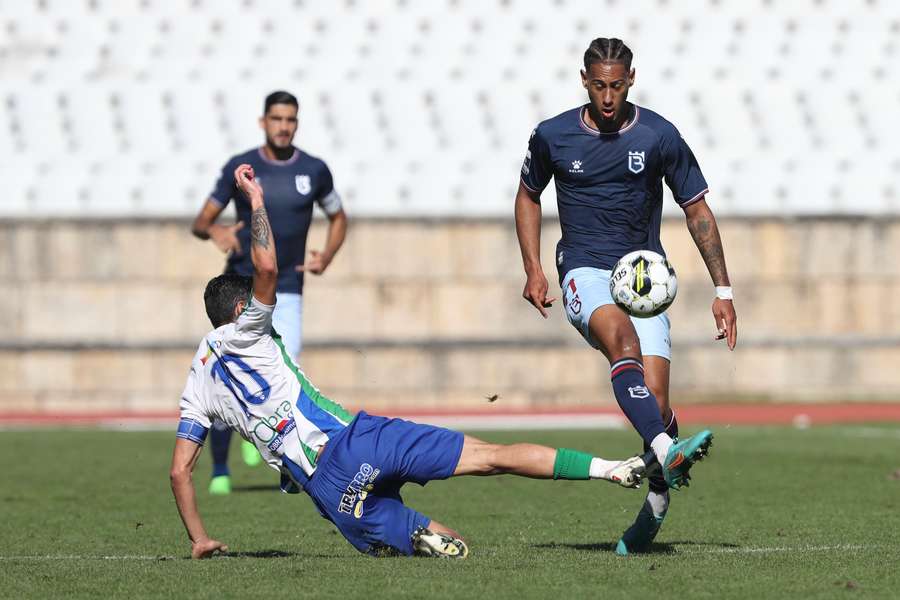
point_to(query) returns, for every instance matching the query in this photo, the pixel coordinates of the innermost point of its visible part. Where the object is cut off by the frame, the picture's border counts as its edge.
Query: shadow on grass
(280, 554)
(655, 548)
(256, 488)
(263, 554)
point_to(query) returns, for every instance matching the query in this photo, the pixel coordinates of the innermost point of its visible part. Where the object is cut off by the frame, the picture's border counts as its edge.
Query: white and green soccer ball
(643, 283)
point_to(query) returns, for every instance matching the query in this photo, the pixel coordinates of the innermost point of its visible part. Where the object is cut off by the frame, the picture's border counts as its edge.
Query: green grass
(773, 513)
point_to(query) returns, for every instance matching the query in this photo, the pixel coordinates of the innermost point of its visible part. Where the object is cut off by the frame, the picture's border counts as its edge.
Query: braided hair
(607, 50)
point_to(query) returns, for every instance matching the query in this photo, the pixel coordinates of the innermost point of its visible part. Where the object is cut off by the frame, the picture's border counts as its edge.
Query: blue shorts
(358, 478)
(586, 289)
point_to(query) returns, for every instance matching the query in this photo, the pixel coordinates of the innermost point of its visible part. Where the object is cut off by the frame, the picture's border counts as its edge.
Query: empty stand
(424, 108)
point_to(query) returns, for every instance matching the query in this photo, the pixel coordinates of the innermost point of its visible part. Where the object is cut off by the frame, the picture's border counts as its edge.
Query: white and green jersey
(242, 375)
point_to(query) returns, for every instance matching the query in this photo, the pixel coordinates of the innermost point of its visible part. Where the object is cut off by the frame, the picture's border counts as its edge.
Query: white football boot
(427, 543)
(629, 473)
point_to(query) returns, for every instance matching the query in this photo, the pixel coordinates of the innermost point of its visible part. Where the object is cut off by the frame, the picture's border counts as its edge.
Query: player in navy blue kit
(609, 159)
(293, 181)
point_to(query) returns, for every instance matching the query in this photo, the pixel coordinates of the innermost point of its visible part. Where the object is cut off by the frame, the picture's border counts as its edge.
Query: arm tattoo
(706, 236)
(259, 227)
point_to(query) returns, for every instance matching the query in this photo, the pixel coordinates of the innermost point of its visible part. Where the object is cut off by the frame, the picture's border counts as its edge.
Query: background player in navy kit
(608, 159)
(293, 182)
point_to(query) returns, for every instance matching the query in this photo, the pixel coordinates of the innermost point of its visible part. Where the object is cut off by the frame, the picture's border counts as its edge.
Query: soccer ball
(643, 283)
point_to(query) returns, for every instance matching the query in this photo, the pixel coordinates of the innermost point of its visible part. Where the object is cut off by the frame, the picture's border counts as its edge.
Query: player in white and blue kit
(609, 159)
(351, 466)
(294, 181)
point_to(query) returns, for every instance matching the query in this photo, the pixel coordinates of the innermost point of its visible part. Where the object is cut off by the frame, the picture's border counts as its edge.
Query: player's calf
(543, 462)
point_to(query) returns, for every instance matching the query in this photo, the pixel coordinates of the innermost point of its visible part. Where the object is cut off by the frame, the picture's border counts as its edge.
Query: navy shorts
(358, 478)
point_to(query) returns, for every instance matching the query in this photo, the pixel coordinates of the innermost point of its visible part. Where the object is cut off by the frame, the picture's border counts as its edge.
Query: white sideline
(751, 550)
(77, 557)
(780, 549)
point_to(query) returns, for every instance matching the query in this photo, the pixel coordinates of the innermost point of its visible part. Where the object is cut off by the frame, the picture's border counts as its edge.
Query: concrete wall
(428, 314)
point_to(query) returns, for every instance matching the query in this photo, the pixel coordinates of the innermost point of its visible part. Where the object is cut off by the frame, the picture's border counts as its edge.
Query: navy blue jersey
(291, 187)
(609, 185)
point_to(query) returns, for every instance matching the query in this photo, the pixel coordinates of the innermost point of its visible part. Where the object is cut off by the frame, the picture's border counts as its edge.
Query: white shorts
(288, 322)
(586, 289)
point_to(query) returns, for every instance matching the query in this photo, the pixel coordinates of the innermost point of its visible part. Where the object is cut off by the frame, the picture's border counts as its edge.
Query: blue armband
(189, 429)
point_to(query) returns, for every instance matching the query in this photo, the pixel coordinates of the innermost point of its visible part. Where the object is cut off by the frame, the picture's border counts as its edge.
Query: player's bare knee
(625, 343)
(492, 460)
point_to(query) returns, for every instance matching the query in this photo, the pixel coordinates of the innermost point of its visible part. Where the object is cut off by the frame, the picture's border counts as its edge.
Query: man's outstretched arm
(528, 230)
(184, 458)
(262, 242)
(702, 225)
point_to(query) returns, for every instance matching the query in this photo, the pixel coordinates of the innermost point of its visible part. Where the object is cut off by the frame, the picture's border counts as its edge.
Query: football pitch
(775, 512)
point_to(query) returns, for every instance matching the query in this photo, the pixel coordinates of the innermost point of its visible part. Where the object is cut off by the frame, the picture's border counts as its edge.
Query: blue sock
(635, 398)
(657, 482)
(219, 440)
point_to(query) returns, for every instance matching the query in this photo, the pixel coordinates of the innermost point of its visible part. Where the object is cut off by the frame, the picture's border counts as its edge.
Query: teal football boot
(682, 456)
(642, 532)
(676, 472)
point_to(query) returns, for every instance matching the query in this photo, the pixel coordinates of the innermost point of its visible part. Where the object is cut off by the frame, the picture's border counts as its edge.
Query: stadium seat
(95, 130)
(115, 187)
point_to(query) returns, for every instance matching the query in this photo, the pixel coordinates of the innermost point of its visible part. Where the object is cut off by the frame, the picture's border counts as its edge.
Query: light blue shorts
(288, 322)
(586, 289)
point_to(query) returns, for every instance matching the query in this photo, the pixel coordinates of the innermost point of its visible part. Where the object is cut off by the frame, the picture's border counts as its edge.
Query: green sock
(572, 464)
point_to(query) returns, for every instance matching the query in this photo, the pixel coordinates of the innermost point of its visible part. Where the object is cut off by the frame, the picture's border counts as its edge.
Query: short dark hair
(222, 295)
(607, 50)
(280, 97)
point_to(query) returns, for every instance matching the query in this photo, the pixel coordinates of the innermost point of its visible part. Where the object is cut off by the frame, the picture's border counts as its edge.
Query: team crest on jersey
(635, 161)
(303, 184)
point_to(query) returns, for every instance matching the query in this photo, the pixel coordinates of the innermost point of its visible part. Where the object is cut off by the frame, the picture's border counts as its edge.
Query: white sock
(660, 446)
(659, 502)
(600, 468)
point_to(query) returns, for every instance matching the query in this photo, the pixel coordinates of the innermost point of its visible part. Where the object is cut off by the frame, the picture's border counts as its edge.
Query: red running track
(712, 414)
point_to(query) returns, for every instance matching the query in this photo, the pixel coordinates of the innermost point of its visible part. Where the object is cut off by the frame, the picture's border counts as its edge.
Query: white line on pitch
(780, 549)
(76, 557)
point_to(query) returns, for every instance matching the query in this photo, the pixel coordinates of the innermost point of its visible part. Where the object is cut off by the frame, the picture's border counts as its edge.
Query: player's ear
(238, 309)
(262, 122)
(631, 78)
(584, 79)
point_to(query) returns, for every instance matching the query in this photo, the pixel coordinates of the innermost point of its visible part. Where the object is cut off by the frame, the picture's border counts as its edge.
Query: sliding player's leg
(542, 462)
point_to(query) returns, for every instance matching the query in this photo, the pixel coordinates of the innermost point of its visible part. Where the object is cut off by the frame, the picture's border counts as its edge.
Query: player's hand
(245, 180)
(315, 264)
(535, 292)
(726, 321)
(206, 548)
(225, 237)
